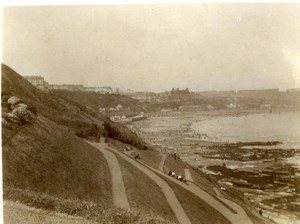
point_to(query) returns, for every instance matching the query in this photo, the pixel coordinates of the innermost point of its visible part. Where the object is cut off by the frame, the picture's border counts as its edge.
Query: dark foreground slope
(40, 154)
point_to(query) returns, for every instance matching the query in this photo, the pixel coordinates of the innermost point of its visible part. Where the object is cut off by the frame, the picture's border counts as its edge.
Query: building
(103, 89)
(143, 96)
(38, 81)
(180, 95)
(67, 87)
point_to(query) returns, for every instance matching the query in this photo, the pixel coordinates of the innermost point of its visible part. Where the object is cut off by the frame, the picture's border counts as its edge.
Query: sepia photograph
(150, 113)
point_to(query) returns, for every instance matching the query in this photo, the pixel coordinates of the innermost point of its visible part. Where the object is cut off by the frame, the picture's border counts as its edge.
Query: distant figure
(175, 155)
(173, 174)
(260, 211)
(137, 156)
(179, 177)
(170, 172)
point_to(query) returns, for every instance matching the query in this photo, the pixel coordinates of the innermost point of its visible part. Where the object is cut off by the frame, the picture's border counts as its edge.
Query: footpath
(237, 217)
(166, 189)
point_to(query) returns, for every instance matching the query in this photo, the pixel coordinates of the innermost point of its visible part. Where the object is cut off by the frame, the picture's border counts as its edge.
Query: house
(38, 81)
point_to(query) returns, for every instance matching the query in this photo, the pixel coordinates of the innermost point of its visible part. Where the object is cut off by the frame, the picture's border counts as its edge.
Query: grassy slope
(150, 157)
(84, 122)
(56, 162)
(87, 210)
(197, 210)
(46, 156)
(143, 194)
(177, 165)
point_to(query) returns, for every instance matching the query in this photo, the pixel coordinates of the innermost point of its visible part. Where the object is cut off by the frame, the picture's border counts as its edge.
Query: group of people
(178, 177)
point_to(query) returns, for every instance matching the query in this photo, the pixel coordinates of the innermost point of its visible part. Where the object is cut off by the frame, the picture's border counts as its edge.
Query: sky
(157, 47)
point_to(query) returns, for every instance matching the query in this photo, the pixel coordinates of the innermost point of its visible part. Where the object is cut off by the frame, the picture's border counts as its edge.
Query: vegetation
(89, 210)
(81, 120)
(197, 210)
(143, 194)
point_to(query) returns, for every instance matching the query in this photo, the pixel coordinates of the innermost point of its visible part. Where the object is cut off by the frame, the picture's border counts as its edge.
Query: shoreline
(260, 159)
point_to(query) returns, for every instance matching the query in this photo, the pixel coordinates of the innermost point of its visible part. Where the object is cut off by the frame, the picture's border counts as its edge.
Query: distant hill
(97, 100)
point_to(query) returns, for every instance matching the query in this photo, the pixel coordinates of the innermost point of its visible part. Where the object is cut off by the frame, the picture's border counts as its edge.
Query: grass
(85, 209)
(150, 157)
(203, 180)
(177, 165)
(143, 194)
(84, 122)
(47, 158)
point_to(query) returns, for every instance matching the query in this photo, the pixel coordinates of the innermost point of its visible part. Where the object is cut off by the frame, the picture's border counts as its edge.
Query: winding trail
(166, 189)
(237, 217)
(162, 163)
(119, 196)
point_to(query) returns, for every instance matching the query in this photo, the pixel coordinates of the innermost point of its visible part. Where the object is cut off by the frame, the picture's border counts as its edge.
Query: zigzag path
(237, 217)
(166, 189)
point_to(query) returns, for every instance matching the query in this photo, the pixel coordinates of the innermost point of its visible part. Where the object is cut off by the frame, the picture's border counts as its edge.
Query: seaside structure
(38, 81)
(103, 89)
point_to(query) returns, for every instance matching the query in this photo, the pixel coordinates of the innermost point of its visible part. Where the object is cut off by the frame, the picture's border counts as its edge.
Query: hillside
(33, 152)
(82, 121)
(40, 153)
(47, 165)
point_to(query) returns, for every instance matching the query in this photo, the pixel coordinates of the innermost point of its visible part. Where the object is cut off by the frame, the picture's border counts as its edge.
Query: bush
(123, 134)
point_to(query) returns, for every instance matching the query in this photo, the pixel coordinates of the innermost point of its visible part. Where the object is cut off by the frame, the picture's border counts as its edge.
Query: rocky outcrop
(15, 112)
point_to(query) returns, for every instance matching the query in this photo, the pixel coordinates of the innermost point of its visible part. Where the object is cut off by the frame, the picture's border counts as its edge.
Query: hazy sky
(157, 47)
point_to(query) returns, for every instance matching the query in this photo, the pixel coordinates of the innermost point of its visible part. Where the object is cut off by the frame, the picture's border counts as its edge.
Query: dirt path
(162, 163)
(236, 218)
(188, 175)
(166, 189)
(118, 189)
(16, 213)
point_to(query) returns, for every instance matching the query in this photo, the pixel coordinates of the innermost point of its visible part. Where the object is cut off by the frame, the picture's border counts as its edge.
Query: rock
(12, 118)
(23, 113)
(18, 113)
(14, 101)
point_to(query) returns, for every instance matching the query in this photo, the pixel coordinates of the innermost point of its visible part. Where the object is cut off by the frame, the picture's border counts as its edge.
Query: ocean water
(283, 127)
